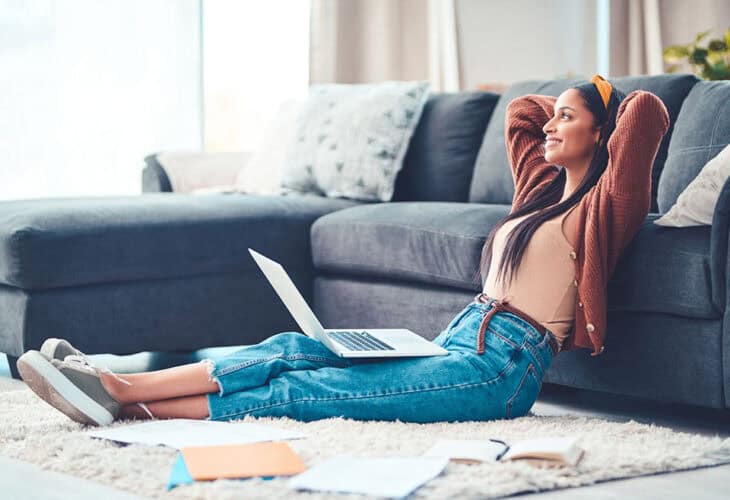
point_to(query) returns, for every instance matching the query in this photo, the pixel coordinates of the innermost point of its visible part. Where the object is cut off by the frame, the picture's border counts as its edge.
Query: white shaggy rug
(33, 432)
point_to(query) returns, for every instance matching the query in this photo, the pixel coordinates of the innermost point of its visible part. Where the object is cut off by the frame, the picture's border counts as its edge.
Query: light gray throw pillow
(350, 139)
(695, 205)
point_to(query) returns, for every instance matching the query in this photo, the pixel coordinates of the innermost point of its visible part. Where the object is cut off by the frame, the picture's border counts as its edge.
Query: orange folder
(242, 460)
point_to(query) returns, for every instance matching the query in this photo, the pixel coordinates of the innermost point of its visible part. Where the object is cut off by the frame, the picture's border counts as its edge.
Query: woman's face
(572, 129)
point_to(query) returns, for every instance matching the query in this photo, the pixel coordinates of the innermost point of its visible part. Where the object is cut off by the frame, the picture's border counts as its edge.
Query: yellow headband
(604, 88)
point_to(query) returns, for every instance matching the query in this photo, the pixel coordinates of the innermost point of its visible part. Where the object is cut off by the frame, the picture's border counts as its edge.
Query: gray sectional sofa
(170, 272)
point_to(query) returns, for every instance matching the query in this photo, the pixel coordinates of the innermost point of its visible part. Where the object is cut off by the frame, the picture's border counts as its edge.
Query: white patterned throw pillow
(695, 206)
(350, 139)
(262, 173)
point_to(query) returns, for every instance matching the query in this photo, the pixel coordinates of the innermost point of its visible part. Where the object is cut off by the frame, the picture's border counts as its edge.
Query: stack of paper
(212, 450)
(215, 450)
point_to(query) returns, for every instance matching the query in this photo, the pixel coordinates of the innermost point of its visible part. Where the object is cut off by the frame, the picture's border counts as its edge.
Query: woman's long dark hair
(545, 201)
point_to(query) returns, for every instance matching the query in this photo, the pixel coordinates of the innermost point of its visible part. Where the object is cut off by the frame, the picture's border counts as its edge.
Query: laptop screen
(290, 295)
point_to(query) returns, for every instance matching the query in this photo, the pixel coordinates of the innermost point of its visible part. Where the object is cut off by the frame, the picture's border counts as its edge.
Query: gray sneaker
(71, 386)
(59, 349)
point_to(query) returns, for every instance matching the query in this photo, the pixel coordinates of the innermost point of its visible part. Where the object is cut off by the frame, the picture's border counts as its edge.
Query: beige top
(544, 286)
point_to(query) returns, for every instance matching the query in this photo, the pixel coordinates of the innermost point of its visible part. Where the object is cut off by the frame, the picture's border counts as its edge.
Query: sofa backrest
(440, 158)
(701, 132)
(492, 180)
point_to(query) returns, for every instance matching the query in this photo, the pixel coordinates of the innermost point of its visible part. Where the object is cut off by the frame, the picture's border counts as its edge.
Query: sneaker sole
(55, 389)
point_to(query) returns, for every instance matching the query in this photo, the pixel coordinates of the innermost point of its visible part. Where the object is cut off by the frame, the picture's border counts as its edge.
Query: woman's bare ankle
(135, 411)
(113, 386)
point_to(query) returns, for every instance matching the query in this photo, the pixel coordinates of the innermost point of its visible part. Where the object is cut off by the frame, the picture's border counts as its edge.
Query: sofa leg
(13, 364)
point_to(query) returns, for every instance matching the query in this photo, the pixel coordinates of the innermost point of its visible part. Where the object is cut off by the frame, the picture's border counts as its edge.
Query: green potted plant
(711, 62)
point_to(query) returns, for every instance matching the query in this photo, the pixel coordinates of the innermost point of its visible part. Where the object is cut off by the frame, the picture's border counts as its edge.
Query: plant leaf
(715, 56)
(716, 45)
(720, 71)
(698, 56)
(727, 38)
(702, 35)
(675, 53)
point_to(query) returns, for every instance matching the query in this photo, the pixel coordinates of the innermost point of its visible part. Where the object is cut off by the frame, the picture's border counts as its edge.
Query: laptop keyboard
(360, 341)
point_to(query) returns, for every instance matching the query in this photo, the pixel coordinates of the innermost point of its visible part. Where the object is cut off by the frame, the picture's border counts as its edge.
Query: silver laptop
(345, 342)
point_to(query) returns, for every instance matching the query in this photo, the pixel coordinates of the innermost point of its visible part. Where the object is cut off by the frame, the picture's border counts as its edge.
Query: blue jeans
(293, 375)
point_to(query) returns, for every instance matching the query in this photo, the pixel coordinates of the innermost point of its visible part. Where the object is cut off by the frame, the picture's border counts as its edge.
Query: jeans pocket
(525, 395)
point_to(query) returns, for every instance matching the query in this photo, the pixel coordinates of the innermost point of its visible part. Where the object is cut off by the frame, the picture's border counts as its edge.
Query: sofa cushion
(665, 270)
(440, 244)
(430, 242)
(701, 132)
(440, 159)
(492, 181)
(71, 241)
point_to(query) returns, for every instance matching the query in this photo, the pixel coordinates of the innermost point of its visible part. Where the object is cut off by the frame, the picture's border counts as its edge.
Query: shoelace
(144, 407)
(81, 362)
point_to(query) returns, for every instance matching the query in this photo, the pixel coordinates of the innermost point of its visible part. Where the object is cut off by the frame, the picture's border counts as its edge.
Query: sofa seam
(364, 267)
(692, 149)
(399, 226)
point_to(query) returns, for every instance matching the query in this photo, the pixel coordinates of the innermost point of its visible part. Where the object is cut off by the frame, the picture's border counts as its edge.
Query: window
(89, 88)
(256, 55)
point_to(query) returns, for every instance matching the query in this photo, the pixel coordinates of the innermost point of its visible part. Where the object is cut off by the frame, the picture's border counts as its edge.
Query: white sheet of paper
(542, 445)
(393, 477)
(481, 450)
(180, 432)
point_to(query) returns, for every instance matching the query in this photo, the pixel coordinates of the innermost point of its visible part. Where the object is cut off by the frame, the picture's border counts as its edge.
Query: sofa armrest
(184, 172)
(720, 233)
(719, 265)
(154, 177)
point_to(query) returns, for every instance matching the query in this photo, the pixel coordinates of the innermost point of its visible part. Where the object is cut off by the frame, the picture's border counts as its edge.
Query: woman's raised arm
(641, 122)
(525, 141)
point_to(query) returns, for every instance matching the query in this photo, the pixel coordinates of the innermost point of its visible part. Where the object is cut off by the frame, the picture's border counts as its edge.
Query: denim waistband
(535, 333)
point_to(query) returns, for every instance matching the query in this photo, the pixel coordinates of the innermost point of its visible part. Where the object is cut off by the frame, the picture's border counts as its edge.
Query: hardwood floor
(707, 483)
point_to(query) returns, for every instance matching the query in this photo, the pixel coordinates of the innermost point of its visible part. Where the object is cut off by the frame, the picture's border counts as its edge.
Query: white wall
(681, 20)
(506, 41)
(88, 88)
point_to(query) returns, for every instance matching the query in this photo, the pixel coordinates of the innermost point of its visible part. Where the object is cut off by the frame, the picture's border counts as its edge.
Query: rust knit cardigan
(611, 213)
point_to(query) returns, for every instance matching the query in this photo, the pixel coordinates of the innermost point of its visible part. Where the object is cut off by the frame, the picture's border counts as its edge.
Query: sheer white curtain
(256, 56)
(88, 88)
(443, 46)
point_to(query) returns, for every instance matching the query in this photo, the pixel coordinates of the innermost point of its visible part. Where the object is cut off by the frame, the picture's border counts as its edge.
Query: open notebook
(546, 451)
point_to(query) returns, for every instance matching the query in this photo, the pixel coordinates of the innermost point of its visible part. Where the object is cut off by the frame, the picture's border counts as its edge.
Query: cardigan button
(590, 327)
(580, 304)
(573, 255)
(575, 282)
